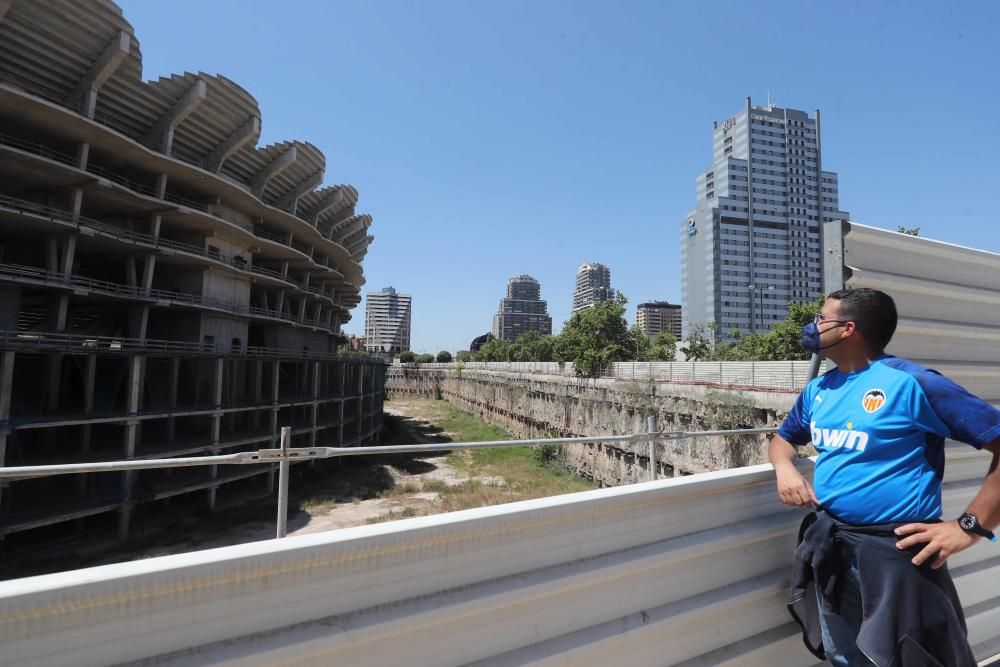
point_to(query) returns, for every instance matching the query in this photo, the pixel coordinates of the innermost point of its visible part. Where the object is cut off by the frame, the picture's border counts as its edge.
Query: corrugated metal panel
(688, 571)
(948, 298)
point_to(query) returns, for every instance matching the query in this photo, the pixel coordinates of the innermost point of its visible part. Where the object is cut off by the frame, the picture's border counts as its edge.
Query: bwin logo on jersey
(833, 438)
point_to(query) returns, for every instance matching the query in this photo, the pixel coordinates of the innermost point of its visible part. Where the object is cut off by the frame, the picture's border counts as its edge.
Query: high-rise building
(778, 197)
(387, 321)
(656, 317)
(522, 310)
(593, 285)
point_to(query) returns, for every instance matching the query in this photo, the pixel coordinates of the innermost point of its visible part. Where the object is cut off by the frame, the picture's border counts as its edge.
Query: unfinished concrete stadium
(166, 287)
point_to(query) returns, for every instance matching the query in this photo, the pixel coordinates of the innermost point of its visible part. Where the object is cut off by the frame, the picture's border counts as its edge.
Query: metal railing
(285, 455)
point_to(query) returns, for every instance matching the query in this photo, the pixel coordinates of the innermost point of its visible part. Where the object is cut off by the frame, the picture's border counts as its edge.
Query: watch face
(967, 522)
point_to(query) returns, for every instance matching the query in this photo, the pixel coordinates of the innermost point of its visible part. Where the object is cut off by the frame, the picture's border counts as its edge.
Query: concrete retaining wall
(536, 405)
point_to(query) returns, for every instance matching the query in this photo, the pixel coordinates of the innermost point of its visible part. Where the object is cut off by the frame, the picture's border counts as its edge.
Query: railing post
(651, 428)
(286, 435)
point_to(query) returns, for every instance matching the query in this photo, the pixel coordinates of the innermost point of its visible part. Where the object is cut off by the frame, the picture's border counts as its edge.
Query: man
(869, 584)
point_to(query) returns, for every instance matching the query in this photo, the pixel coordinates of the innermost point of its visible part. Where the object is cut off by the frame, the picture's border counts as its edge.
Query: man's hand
(793, 489)
(944, 539)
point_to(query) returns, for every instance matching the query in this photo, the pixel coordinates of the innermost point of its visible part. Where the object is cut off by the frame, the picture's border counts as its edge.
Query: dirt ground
(356, 492)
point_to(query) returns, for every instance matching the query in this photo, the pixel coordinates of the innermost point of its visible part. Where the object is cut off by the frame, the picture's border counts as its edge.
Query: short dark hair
(872, 311)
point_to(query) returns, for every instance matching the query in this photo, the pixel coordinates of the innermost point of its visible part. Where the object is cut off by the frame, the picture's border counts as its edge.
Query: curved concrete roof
(55, 48)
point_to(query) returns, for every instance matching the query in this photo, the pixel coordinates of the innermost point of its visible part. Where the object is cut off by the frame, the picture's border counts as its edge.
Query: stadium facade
(167, 287)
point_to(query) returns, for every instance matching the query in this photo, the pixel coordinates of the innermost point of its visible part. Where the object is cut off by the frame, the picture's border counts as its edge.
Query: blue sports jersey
(880, 434)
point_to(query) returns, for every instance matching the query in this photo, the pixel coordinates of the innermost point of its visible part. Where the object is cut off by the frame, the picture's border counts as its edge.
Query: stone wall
(535, 406)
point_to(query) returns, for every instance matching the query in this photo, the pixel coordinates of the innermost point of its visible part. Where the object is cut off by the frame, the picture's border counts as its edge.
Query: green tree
(444, 357)
(494, 350)
(909, 231)
(782, 343)
(595, 337)
(407, 357)
(700, 343)
(640, 344)
(663, 347)
(533, 346)
(425, 358)
(463, 355)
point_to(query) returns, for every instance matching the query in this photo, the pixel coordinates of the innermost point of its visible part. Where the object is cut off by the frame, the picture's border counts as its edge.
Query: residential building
(387, 321)
(522, 310)
(654, 317)
(593, 286)
(753, 242)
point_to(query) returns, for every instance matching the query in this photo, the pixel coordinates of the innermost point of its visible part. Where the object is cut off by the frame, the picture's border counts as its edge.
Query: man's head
(857, 319)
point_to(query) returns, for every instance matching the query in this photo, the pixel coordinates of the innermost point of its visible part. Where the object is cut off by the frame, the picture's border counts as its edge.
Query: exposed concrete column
(175, 371)
(90, 376)
(275, 369)
(67, 257)
(76, 203)
(154, 227)
(161, 185)
(131, 277)
(162, 134)
(302, 308)
(133, 397)
(245, 134)
(100, 71)
(220, 365)
(342, 382)
(280, 303)
(318, 312)
(7, 358)
(284, 269)
(52, 256)
(258, 390)
(147, 272)
(138, 321)
(259, 181)
(315, 402)
(82, 156)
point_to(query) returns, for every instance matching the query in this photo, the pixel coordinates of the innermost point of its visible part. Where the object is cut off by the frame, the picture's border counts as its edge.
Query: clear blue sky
(493, 139)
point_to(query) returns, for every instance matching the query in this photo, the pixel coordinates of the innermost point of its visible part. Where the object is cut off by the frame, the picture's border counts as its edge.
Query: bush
(444, 357)
(407, 357)
(425, 359)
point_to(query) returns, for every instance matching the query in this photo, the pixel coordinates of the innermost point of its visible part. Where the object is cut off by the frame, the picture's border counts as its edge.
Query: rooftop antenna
(768, 99)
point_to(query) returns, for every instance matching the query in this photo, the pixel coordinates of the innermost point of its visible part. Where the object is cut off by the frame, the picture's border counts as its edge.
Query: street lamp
(753, 324)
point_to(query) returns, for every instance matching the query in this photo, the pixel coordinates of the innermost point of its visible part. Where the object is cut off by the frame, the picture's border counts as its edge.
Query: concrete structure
(166, 286)
(593, 286)
(387, 321)
(779, 197)
(522, 310)
(655, 317)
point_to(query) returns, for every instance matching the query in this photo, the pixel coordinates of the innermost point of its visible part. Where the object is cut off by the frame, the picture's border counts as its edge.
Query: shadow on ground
(344, 480)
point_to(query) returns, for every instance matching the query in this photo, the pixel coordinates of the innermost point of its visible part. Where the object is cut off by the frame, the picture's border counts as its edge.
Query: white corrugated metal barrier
(948, 298)
(688, 571)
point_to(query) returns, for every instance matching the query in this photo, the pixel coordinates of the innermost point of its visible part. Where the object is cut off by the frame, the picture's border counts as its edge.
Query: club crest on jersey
(873, 400)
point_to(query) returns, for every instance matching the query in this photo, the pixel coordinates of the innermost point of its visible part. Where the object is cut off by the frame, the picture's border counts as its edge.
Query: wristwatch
(970, 524)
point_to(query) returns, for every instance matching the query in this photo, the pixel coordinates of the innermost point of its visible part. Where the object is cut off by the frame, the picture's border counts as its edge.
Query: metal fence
(285, 455)
(772, 375)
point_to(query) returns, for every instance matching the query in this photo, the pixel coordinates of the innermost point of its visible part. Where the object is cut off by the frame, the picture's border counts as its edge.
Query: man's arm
(947, 538)
(793, 489)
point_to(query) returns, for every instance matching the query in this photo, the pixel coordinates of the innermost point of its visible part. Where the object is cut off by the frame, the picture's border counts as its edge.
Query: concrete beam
(290, 200)
(246, 133)
(328, 202)
(162, 133)
(363, 222)
(275, 167)
(114, 55)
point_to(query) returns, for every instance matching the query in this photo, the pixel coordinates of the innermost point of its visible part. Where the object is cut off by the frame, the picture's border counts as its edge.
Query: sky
(489, 140)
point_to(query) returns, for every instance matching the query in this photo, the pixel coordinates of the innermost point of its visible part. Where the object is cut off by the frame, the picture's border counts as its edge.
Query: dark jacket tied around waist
(911, 616)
